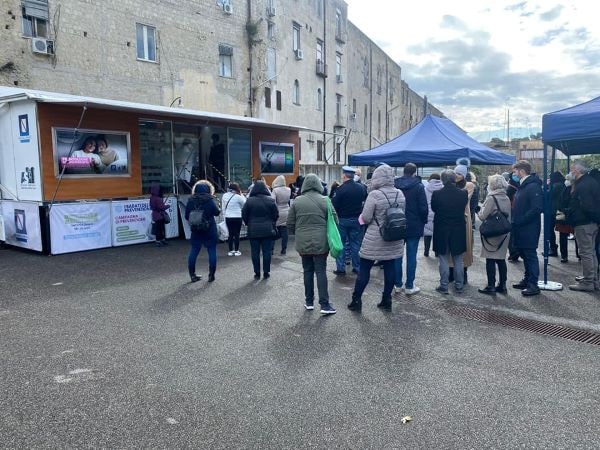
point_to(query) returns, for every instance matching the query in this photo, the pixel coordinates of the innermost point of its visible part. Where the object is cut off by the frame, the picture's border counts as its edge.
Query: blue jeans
(351, 234)
(532, 266)
(256, 246)
(195, 251)
(410, 251)
(364, 275)
(283, 232)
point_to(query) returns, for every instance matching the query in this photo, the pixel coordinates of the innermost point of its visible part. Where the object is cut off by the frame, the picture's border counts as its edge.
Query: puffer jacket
(307, 218)
(373, 246)
(260, 212)
(432, 186)
(416, 204)
(281, 194)
(157, 204)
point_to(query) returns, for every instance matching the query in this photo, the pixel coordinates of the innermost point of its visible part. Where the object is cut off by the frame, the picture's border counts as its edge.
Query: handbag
(496, 224)
(223, 231)
(334, 239)
(275, 233)
(165, 216)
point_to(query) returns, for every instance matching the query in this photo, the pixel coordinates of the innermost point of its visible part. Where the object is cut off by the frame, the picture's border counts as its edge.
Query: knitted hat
(461, 170)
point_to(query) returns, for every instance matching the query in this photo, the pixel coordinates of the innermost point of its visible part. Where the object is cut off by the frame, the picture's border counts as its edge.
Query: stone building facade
(286, 61)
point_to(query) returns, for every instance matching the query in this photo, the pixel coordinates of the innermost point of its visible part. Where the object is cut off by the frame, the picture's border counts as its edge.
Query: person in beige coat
(374, 248)
(494, 249)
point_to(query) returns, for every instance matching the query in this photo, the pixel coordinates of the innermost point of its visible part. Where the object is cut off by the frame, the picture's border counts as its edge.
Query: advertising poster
(92, 152)
(132, 221)
(22, 224)
(276, 158)
(79, 226)
(25, 152)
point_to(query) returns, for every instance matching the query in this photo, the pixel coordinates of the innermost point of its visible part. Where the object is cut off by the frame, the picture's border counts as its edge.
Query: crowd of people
(440, 210)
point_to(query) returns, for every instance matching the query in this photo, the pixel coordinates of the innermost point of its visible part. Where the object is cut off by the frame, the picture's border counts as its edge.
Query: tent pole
(547, 285)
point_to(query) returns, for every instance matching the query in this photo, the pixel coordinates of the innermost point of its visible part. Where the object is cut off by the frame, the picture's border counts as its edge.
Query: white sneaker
(237, 253)
(231, 253)
(412, 291)
(397, 290)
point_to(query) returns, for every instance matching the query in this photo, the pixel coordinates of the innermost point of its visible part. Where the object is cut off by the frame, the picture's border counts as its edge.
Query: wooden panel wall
(50, 115)
(66, 116)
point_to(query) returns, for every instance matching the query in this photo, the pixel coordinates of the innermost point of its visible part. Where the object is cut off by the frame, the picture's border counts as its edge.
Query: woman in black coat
(449, 237)
(260, 216)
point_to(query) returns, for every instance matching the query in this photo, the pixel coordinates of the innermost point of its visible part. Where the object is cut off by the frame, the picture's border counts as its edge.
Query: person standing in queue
(348, 203)
(260, 216)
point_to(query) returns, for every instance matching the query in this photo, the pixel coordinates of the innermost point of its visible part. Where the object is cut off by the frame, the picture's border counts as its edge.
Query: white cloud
(474, 59)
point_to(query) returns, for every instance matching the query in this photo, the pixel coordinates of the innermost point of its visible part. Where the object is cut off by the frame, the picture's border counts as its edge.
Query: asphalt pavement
(115, 348)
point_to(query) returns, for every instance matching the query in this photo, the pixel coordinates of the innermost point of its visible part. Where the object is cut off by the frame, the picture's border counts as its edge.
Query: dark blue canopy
(432, 142)
(574, 130)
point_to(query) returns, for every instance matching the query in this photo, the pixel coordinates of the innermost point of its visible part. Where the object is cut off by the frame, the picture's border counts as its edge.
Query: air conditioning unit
(271, 11)
(43, 46)
(227, 8)
(299, 54)
(339, 78)
(353, 116)
(310, 138)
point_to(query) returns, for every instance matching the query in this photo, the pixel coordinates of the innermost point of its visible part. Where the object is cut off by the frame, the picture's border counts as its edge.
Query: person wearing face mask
(526, 225)
(584, 215)
(348, 202)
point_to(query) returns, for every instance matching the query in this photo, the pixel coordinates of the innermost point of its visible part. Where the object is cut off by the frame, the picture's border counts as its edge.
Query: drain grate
(534, 326)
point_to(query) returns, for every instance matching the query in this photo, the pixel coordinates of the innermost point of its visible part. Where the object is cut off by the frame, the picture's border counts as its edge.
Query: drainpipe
(250, 93)
(325, 59)
(370, 93)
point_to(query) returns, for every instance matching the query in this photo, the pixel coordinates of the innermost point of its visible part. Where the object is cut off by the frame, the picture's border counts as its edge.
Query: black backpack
(393, 227)
(198, 220)
(496, 224)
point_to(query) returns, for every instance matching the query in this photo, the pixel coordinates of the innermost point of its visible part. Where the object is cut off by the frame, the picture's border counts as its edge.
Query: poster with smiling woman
(91, 152)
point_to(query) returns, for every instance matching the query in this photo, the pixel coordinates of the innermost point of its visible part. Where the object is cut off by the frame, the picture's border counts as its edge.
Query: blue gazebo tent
(573, 131)
(433, 142)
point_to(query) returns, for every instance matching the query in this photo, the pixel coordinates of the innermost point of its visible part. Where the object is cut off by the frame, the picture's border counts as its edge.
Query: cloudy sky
(474, 59)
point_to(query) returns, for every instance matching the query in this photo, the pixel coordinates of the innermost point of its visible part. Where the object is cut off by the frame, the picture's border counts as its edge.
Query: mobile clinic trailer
(75, 171)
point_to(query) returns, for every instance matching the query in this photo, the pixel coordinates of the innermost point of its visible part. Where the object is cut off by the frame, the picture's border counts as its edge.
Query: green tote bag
(333, 235)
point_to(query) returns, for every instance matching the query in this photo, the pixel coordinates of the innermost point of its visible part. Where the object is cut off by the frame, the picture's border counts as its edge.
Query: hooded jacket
(416, 204)
(260, 213)
(526, 213)
(583, 208)
(281, 194)
(157, 204)
(202, 199)
(378, 201)
(432, 186)
(307, 218)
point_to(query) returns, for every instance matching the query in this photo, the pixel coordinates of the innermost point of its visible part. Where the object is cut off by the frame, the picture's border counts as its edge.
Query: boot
(211, 274)
(385, 303)
(355, 304)
(195, 277)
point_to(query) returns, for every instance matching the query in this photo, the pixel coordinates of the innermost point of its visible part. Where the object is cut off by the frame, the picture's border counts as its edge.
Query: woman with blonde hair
(204, 228)
(494, 249)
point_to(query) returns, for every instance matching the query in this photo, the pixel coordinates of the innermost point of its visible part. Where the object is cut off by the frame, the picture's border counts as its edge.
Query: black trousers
(427, 244)
(490, 269)
(234, 225)
(159, 230)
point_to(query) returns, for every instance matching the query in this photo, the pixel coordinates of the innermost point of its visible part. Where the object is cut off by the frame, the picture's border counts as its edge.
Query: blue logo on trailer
(24, 128)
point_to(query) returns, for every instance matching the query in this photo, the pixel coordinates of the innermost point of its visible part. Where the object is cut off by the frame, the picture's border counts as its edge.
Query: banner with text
(79, 226)
(21, 224)
(132, 221)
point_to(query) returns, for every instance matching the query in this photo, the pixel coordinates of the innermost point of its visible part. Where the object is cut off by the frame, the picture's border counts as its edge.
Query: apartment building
(285, 61)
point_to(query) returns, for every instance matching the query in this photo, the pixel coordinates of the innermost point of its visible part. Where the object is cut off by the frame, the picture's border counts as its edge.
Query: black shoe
(513, 258)
(520, 285)
(257, 276)
(564, 260)
(211, 274)
(164, 242)
(501, 289)
(266, 275)
(195, 278)
(530, 292)
(488, 290)
(339, 272)
(355, 304)
(385, 303)
(283, 252)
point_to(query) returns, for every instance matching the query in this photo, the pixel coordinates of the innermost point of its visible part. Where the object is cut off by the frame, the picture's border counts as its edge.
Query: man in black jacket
(348, 202)
(526, 225)
(416, 218)
(584, 215)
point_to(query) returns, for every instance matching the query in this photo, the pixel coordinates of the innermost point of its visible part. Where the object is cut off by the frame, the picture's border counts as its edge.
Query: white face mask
(356, 178)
